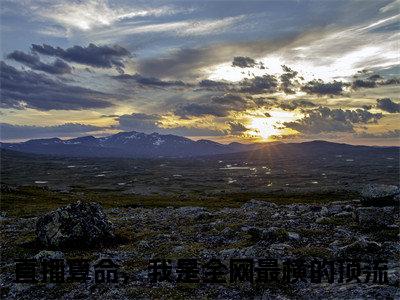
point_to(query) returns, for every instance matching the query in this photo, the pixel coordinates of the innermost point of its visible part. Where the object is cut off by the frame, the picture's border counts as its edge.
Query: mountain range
(127, 144)
(141, 145)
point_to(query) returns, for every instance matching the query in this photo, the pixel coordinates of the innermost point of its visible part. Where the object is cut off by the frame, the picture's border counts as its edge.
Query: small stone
(294, 236)
(345, 214)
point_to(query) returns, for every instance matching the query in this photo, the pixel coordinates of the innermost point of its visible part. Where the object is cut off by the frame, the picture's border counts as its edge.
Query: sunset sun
(264, 127)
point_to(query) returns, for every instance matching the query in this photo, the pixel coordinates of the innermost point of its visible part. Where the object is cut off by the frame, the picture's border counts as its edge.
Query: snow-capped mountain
(127, 144)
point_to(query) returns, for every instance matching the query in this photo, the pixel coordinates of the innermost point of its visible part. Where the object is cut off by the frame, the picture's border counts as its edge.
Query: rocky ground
(365, 228)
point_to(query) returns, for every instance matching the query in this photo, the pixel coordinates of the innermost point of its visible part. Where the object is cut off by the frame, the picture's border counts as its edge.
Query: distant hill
(140, 145)
(315, 150)
(127, 144)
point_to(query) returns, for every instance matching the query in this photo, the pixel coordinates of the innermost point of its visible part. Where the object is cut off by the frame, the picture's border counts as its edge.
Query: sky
(244, 71)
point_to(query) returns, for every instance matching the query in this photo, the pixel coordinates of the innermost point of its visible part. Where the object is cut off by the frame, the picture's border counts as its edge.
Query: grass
(313, 252)
(33, 201)
(338, 221)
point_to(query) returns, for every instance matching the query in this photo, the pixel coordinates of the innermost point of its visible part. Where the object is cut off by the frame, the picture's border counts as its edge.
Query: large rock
(377, 217)
(79, 224)
(359, 247)
(380, 195)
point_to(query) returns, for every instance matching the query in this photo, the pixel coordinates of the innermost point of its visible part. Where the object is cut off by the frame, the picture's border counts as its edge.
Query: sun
(264, 127)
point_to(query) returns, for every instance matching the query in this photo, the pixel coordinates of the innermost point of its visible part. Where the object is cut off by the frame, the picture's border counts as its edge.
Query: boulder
(377, 217)
(48, 255)
(274, 234)
(380, 195)
(359, 247)
(78, 224)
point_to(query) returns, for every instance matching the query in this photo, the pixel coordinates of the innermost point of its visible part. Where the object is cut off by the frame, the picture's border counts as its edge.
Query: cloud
(192, 131)
(259, 84)
(183, 62)
(153, 123)
(92, 55)
(243, 62)
(192, 63)
(88, 15)
(286, 78)
(296, 104)
(236, 128)
(149, 81)
(10, 131)
(139, 122)
(219, 106)
(21, 89)
(359, 83)
(33, 62)
(197, 110)
(391, 134)
(388, 105)
(324, 119)
(340, 51)
(174, 29)
(216, 85)
(234, 101)
(392, 6)
(373, 81)
(321, 88)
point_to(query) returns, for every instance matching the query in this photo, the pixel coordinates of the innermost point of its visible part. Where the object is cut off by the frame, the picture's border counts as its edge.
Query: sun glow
(267, 127)
(263, 127)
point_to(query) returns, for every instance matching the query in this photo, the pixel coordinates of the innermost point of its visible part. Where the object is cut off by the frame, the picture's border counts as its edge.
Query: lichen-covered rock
(380, 195)
(48, 255)
(375, 216)
(275, 234)
(78, 224)
(359, 247)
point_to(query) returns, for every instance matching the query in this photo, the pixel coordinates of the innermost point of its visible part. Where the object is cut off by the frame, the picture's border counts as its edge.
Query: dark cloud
(152, 123)
(296, 104)
(236, 128)
(373, 81)
(229, 99)
(200, 109)
(34, 62)
(189, 63)
(391, 134)
(149, 81)
(181, 63)
(321, 88)
(390, 81)
(92, 55)
(359, 83)
(374, 77)
(139, 122)
(192, 131)
(10, 132)
(287, 83)
(324, 119)
(265, 102)
(216, 85)
(388, 105)
(219, 106)
(259, 84)
(243, 62)
(21, 89)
